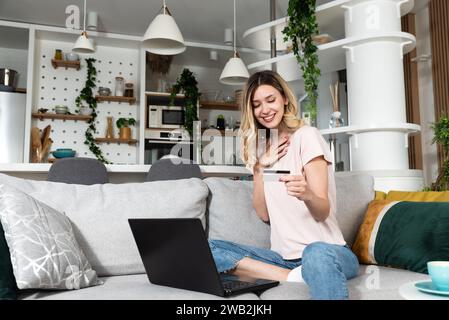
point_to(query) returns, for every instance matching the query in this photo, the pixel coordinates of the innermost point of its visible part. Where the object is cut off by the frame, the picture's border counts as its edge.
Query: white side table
(409, 292)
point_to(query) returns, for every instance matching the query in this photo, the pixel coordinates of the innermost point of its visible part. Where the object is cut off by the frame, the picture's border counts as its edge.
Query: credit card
(274, 175)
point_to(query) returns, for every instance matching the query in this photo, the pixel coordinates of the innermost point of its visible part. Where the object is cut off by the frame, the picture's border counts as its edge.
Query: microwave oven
(167, 117)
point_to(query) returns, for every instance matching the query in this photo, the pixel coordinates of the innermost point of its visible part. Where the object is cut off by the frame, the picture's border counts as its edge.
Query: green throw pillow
(404, 234)
(8, 288)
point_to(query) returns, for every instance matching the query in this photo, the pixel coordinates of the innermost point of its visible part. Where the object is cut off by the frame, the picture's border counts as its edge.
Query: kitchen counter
(118, 173)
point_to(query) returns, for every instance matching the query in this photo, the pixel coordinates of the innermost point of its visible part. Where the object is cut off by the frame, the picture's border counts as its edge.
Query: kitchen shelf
(55, 116)
(163, 94)
(115, 140)
(118, 99)
(65, 64)
(218, 105)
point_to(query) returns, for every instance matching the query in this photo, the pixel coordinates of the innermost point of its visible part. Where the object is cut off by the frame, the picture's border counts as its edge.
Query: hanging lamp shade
(234, 72)
(163, 36)
(83, 44)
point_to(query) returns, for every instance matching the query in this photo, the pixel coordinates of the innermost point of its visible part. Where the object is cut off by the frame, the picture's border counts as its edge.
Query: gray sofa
(225, 208)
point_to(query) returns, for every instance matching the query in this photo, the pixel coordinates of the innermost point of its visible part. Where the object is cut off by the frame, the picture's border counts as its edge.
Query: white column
(376, 92)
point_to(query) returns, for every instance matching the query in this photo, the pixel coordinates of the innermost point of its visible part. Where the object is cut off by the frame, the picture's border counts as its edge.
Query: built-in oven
(159, 143)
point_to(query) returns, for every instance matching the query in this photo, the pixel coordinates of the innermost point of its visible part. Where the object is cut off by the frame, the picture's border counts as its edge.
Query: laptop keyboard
(230, 285)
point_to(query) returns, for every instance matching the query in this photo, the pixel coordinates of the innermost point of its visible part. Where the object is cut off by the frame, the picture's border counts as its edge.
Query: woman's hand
(274, 152)
(298, 187)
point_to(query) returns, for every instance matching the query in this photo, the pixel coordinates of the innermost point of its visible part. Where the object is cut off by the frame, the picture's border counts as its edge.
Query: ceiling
(199, 20)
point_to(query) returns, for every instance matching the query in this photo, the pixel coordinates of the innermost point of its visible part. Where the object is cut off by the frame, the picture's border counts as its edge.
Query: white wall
(15, 59)
(426, 99)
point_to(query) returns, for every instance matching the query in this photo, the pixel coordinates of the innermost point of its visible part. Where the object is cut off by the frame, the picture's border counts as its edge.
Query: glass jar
(58, 54)
(119, 86)
(336, 120)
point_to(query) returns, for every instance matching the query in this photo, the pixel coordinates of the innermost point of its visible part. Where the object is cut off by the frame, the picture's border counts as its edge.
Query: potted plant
(441, 129)
(187, 82)
(123, 124)
(302, 26)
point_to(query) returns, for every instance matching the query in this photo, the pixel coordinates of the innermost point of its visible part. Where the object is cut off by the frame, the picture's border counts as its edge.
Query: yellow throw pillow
(380, 195)
(423, 196)
(361, 244)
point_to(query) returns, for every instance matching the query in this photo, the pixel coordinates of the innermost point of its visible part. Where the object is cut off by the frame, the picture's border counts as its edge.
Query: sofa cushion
(127, 287)
(354, 193)
(8, 288)
(404, 234)
(373, 283)
(43, 248)
(231, 215)
(100, 214)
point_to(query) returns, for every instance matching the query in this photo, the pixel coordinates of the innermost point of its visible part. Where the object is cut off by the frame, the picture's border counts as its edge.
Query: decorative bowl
(439, 272)
(71, 56)
(64, 153)
(103, 91)
(61, 109)
(86, 111)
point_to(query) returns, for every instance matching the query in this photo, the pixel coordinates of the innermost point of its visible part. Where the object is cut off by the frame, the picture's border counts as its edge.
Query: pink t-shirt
(292, 225)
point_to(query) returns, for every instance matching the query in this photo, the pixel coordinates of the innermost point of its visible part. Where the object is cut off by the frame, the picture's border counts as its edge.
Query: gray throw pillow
(231, 214)
(44, 252)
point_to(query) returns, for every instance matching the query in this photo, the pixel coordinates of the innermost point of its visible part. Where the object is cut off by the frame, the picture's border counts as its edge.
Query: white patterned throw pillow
(43, 248)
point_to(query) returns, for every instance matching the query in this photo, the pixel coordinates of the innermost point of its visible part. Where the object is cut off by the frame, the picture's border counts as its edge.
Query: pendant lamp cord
(235, 44)
(165, 7)
(84, 27)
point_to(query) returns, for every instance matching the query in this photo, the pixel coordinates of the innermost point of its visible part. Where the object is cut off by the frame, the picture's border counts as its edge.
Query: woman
(306, 242)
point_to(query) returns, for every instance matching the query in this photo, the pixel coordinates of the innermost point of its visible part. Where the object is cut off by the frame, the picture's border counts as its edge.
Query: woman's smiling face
(268, 106)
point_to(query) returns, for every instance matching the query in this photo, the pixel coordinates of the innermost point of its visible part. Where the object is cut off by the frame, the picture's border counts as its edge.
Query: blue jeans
(325, 267)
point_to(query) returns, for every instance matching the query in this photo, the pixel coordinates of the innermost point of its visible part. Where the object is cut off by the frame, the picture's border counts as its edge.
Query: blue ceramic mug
(439, 273)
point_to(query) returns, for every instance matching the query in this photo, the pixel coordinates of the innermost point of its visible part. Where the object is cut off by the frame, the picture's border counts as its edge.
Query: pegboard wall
(61, 87)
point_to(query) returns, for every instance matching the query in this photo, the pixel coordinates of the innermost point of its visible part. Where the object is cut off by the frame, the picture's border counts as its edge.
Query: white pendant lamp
(83, 44)
(235, 72)
(163, 36)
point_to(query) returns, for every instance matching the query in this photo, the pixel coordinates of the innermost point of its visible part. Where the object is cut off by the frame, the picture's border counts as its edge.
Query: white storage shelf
(332, 56)
(116, 55)
(330, 18)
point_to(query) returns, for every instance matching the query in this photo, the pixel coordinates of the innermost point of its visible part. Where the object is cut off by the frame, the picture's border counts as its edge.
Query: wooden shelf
(115, 140)
(129, 100)
(55, 116)
(65, 64)
(218, 105)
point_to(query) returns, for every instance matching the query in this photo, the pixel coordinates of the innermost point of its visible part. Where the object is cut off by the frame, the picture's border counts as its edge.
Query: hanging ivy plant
(302, 26)
(187, 82)
(87, 96)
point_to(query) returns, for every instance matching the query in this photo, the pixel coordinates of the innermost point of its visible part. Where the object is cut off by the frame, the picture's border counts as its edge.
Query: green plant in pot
(124, 125)
(187, 82)
(220, 122)
(302, 26)
(441, 129)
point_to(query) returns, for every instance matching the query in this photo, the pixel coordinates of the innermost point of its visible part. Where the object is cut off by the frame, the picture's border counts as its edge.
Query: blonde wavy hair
(249, 127)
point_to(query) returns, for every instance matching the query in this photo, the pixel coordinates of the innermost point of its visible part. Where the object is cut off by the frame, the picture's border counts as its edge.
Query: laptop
(176, 253)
